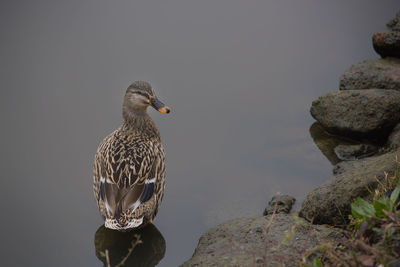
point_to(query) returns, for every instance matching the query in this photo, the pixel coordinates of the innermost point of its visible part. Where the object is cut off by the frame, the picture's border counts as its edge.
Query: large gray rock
(387, 44)
(381, 73)
(358, 112)
(330, 202)
(244, 242)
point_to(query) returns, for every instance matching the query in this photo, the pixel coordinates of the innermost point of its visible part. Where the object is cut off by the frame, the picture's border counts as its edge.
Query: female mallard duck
(129, 166)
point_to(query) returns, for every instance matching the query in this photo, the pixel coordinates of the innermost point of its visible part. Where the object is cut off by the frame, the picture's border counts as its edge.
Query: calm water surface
(240, 76)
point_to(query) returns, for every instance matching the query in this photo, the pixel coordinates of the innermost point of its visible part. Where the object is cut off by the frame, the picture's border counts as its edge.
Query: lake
(240, 77)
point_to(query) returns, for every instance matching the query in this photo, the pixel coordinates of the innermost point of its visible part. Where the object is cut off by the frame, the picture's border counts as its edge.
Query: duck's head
(139, 96)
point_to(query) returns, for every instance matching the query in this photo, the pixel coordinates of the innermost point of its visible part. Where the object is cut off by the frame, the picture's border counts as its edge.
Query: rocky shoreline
(358, 129)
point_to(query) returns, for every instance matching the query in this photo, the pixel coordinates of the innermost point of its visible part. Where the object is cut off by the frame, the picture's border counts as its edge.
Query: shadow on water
(327, 142)
(149, 252)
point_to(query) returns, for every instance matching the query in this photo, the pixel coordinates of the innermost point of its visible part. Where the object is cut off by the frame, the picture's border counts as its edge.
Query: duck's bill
(160, 106)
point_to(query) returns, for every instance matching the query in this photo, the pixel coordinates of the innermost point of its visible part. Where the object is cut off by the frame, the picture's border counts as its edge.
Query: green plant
(362, 210)
(315, 262)
(373, 234)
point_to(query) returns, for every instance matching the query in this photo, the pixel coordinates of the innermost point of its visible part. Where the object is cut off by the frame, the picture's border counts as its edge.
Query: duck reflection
(327, 142)
(142, 247)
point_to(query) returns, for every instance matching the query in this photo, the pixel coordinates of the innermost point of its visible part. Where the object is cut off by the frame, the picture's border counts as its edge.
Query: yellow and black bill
(158, 105)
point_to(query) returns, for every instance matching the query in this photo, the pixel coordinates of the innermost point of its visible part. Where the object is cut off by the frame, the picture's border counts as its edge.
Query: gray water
(239, 75)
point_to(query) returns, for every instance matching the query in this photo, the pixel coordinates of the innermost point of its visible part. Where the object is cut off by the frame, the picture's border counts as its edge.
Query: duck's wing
(126, 172)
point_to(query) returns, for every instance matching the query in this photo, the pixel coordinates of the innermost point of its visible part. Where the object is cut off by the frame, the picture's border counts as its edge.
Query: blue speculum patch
(148, 192)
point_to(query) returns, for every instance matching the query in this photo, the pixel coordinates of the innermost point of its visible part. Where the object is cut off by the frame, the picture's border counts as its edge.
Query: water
(240, 77)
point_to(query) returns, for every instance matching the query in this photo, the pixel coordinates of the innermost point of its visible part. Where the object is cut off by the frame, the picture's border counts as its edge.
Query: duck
(129, 164)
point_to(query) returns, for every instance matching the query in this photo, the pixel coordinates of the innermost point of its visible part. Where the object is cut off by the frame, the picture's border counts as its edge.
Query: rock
(283, 204)
(244, 242)
(394, 24)
(358, 113)
(342, 167)
(353, 152)
(393, 141)
(387, 44)
(149, 252)
(330, 202)
(327, 142)
(381, 73)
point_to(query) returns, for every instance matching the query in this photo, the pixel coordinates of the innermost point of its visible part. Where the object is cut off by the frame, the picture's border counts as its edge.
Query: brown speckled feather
(126, 161)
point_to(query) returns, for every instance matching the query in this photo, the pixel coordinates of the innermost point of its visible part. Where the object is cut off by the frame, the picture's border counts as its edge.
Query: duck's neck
(138, 121)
